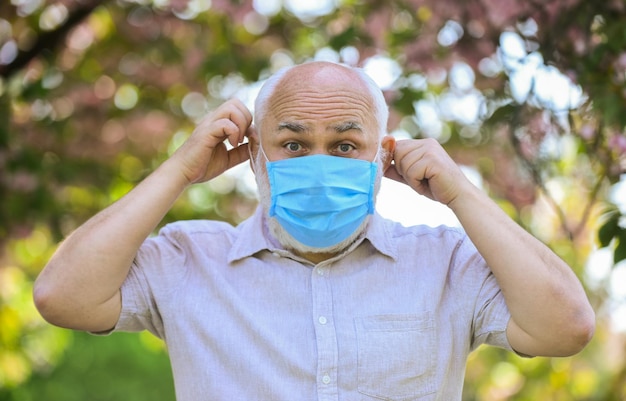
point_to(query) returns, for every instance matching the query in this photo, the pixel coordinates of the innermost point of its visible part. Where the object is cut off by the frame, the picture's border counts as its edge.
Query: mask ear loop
(378, 153)
(263, 152)
(252, 159)
(375, 164)
(250, 152)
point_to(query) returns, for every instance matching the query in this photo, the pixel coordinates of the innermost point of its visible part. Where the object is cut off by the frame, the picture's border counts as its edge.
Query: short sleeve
(491, 316)
(139, 311)
(157, 271)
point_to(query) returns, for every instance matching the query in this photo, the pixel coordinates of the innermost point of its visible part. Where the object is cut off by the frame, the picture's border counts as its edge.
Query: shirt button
(320, 271)
(322, 320)
(326, 379)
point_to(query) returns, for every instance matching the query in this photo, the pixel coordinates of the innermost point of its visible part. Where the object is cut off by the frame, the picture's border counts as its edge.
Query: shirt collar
(379, 234)
(254, 237)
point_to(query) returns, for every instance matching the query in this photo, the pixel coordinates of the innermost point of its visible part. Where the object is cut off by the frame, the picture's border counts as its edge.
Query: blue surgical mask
(321, 200)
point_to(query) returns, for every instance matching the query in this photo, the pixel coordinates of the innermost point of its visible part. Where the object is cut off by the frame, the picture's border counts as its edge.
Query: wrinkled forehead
(322, 92)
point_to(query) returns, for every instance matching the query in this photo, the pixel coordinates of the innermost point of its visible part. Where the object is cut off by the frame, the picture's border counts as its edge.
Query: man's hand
(426, 167)
(204, 155)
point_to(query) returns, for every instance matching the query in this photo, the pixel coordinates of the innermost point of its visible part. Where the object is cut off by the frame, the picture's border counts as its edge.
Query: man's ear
(388, 143)
(253, 145)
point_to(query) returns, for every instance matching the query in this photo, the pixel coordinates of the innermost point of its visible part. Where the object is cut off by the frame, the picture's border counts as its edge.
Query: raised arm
(550, 312)
(80, 286)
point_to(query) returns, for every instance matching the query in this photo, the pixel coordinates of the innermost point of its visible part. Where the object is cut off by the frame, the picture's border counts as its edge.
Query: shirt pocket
(396, 356)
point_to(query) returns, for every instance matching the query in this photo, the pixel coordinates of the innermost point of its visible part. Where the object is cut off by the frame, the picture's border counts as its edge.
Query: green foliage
(613, 230)
(120, 367)
(26, 342)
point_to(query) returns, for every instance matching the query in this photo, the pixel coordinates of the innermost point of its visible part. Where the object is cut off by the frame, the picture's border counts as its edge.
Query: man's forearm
(550, 311)
(79, 287)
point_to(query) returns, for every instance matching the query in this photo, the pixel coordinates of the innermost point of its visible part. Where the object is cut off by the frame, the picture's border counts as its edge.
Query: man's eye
(345, 148)
(293, 146)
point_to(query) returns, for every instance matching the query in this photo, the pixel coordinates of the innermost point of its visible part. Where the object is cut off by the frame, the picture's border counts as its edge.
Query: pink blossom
(587, 131)
(618, 143)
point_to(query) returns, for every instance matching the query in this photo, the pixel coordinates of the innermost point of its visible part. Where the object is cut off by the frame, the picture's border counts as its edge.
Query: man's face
(316, 111)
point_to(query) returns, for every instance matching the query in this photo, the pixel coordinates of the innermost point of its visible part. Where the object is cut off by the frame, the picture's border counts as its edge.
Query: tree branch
(538, 180)
(48, 41)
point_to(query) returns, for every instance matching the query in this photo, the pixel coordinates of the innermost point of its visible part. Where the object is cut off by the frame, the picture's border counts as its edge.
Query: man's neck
(315, 257)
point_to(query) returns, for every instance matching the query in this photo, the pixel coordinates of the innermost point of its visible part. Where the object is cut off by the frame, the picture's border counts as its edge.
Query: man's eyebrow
(292, 126)
(347, 126)
(338, 128)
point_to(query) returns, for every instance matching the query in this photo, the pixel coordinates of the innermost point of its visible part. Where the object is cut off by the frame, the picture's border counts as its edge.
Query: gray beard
(290, 243)
(282, 236)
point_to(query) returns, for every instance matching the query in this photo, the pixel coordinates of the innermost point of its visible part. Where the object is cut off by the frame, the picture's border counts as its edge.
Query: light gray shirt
(392, 318)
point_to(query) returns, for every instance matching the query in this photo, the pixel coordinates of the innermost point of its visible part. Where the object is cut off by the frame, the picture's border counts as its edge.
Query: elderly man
(315, 296)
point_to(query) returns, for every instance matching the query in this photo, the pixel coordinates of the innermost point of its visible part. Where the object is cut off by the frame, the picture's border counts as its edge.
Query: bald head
(322, 79)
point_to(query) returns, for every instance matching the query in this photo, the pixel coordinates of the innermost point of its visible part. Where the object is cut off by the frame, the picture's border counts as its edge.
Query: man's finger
(241, 121)
(393, 174)
(240, 115)
(238, 155)
(226, 128)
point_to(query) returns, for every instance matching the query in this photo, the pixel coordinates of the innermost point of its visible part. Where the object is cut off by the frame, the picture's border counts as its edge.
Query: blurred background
(528, 96)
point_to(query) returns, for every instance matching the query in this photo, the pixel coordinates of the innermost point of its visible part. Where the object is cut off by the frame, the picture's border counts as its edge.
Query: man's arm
(80, 286)
(550, 312)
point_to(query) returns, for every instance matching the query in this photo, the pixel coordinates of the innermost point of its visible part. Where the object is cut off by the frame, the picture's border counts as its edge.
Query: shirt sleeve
(156, 272)
(139, 311)
(491, 314)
